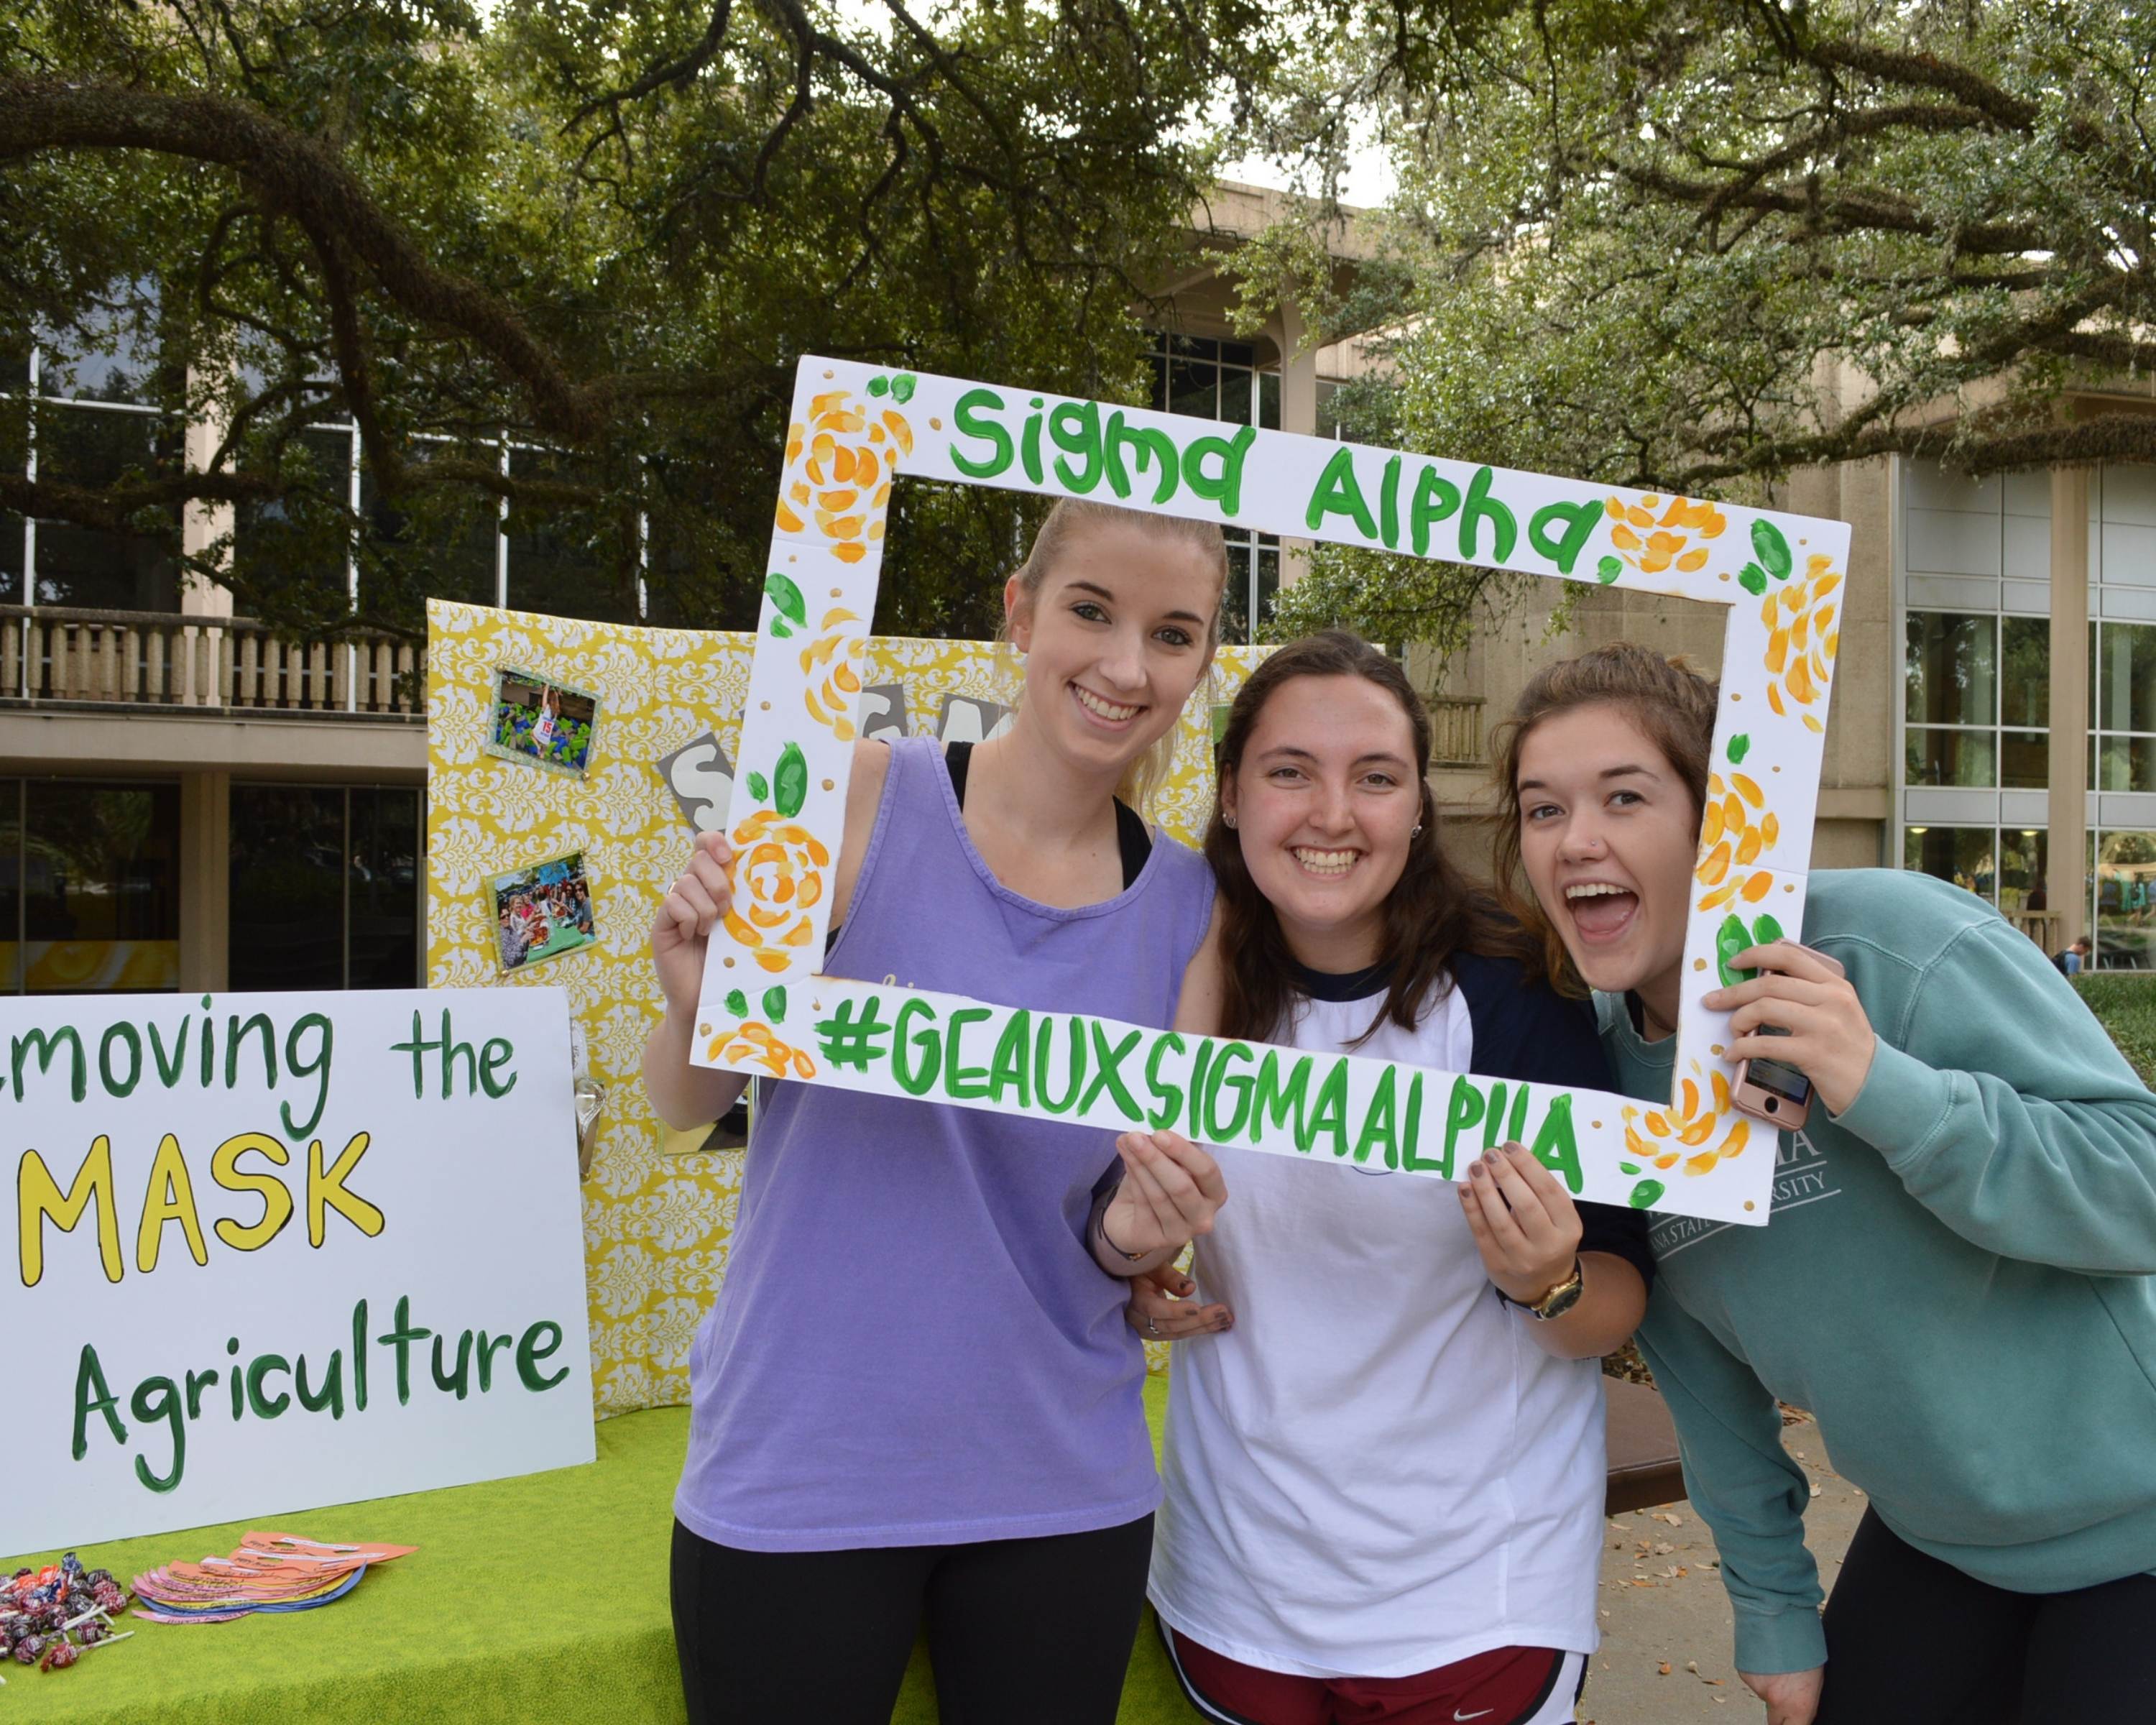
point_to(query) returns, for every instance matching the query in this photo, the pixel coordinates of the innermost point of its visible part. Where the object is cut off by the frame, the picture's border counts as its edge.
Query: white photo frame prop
(855, 429)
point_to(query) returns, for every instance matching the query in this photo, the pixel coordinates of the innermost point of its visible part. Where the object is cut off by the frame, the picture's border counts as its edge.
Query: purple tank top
(913, 1345)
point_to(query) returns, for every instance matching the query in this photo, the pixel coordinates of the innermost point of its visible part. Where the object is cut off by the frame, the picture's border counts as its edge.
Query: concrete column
(203, 524)
(205, 882)
(2065, 873)
(1298, 411)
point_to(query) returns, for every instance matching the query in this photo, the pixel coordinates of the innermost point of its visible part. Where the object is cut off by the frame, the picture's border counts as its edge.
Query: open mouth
(1601, 910)
(1326, 865)
(1108, 712)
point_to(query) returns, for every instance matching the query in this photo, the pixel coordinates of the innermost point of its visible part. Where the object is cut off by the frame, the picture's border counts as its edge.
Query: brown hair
(1430, 913)
(1143, 778)
(1673, 706)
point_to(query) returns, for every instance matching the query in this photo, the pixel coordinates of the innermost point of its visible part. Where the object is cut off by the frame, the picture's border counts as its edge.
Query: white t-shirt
(1377, 1471)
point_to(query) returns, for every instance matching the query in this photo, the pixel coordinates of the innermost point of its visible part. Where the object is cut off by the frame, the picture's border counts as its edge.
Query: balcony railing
(1455, 728)
(52, 653)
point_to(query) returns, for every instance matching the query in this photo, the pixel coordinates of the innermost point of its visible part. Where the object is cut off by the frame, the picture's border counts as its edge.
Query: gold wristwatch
(1559, 1300)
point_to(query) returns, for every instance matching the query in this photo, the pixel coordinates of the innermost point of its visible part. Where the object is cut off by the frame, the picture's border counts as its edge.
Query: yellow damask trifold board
(656, 1226)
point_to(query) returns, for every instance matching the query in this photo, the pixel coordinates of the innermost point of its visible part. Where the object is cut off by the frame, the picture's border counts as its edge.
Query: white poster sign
(274, 1251)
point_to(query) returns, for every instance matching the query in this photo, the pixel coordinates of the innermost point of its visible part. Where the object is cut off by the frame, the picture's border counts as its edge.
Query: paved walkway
(1664, 1658)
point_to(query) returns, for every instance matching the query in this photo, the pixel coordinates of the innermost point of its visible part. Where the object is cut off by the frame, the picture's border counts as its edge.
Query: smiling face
(1326, 799)
(1116, 638)
(1608, 833)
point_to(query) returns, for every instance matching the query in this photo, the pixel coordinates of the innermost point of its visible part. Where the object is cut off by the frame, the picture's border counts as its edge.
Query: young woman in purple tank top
(915, 1403)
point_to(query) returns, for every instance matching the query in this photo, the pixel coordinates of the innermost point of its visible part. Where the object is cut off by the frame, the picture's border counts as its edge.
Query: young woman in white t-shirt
(1384, 1484)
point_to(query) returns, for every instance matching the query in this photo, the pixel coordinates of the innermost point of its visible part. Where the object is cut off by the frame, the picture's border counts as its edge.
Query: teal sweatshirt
(1958, 1281)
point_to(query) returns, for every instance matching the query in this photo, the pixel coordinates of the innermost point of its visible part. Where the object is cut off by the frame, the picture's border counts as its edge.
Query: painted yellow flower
(840, 649)
(1682, 1133)
(778, 875)
(756, 1041)
(1802, 641)
(1730, 840)
(1653, 534)
(838, 465)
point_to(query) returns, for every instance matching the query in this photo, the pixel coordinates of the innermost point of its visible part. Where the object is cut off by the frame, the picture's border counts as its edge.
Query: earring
(1228, 822)
(1417, 832)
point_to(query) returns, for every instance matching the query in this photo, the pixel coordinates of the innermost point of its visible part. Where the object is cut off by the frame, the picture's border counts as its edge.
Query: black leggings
(1032, 1629)
(1912, 1641)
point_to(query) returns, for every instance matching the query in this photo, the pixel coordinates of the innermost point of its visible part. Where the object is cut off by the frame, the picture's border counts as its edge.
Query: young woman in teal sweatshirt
(1959, 1280)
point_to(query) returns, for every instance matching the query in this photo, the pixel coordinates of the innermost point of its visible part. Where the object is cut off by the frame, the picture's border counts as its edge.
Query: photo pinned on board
(542, 911)
(541, 722)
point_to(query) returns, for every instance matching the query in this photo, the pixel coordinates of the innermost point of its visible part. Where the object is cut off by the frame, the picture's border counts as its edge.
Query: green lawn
(2124, 1003)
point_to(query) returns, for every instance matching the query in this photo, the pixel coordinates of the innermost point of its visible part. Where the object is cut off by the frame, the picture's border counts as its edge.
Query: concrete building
(188, 802)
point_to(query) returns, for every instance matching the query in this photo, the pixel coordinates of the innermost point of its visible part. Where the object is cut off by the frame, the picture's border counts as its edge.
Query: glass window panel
(2022, 859)
(385, 871)
(1236, 596)
(110, 354)
(1193, 388)
(1157, 366)
(568, 561)
(1235, 396)
(1952, 671)
(14, 365)
(1957, 758)
(1238, 353)
(101, 888)
(2125, 763)
(1268, 578)
(2125, 677)
(299, 547)
(448, 534)
(1961, 855)
(2125, 879)
(288, 887)
(11, 885)
(1268, 401)
(11, 563)
(2024, 670)
(2025, 760)
(1193, 347)
(84, 566)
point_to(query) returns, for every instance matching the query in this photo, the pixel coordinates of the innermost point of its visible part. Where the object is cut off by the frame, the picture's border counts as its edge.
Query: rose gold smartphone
(1773, 1091)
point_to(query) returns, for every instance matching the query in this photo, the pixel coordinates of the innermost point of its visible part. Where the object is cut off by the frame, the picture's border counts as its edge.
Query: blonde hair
(1145, 777)
(1674, 707)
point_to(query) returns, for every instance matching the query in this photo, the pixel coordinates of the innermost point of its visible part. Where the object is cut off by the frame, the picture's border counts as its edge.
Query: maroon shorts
(1506, 1686)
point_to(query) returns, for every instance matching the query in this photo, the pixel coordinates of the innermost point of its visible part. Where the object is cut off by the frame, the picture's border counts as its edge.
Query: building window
(90, 418)
(90, 897)
(325, 887)
(1222, 380)
(2124, 925)
(2123, 705)
(1977, 706)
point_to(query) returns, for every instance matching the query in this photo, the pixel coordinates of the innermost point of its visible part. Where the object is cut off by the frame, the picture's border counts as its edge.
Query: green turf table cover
(542, 1597)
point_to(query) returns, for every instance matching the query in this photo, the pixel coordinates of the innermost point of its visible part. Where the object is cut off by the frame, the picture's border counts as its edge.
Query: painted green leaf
(902, 387)
(737, 1003)
(1766, 929)
(790, 781)
(774, 1005)
(759, 787)
(1608, 570)
(878, 385)
(1729, 940)
(1628, 1167)
(1753, 579)
(1644, 1193)
(1739, 748)
(1774, 549)
(785, 597)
